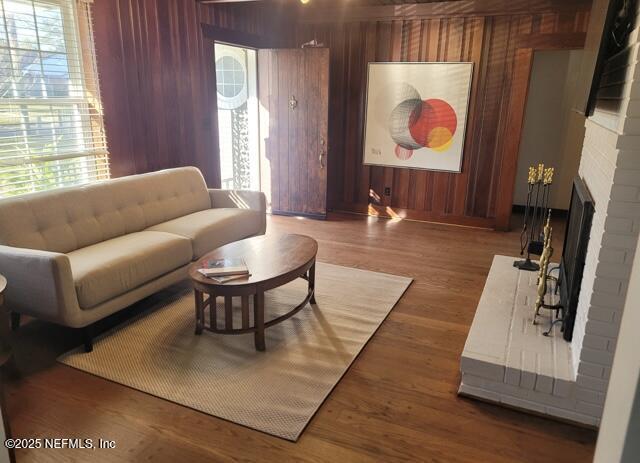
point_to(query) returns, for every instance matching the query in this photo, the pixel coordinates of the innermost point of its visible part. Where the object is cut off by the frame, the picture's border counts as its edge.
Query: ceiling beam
(341, 11)
(212, 2)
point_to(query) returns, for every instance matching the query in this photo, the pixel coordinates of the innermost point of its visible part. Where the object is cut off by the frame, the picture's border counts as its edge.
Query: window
(51, 128)
(229, 77)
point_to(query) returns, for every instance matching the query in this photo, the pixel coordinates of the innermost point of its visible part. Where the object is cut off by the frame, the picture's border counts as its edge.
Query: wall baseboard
(393, 212)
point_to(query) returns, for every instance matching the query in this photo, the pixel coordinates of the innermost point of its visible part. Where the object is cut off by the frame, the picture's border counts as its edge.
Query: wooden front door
(293, 89)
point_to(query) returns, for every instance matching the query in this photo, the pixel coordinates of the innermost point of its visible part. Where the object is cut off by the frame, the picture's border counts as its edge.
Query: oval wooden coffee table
(273, 261)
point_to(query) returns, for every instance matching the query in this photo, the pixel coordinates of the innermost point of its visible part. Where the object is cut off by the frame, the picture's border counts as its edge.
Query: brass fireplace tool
(531, 238)
(544, 277)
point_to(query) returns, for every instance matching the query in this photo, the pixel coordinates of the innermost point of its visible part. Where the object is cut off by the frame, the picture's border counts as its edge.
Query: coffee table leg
(258, 320)
(213, 321)
(228, 313)
(312, 283)
(199, 310)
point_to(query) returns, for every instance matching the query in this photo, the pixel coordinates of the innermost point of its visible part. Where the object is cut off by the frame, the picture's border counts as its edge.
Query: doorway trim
(236, 38)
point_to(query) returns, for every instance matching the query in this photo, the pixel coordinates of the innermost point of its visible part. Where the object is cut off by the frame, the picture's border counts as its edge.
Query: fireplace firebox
(574, 252)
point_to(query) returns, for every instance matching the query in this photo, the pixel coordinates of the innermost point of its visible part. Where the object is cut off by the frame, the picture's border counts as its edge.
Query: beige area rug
(277, 391)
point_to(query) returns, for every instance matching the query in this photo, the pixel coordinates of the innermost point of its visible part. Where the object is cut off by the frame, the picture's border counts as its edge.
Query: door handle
(320, 158)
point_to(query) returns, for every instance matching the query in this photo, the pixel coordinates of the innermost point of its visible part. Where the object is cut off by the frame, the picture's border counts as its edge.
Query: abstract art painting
(416, 114)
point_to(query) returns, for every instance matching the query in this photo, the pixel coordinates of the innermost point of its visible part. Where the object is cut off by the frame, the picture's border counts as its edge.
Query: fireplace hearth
(510, 359)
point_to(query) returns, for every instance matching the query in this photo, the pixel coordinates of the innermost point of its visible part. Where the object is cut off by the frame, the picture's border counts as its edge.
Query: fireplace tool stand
(539, 186)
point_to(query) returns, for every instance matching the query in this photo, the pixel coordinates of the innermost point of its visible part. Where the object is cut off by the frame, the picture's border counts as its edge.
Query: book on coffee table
(224, 267)
(224, 279)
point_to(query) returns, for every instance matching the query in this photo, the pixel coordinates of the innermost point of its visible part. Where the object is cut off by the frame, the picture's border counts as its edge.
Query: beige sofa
(76, 255)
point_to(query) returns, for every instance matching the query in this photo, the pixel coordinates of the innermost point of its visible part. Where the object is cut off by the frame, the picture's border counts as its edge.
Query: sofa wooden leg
(87, 335)
(15, 321)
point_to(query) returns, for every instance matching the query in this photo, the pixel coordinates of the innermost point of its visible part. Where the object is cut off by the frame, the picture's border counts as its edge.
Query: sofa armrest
(40, 284)
(241, 199)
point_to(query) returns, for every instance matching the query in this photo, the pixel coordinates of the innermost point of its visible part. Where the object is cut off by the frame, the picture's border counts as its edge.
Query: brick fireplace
(570, 380)
(610, 166)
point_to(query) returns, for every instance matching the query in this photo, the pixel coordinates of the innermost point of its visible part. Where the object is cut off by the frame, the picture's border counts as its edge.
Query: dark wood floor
(398, 401)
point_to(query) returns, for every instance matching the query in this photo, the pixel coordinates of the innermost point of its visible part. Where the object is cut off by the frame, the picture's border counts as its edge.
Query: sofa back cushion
(71, 218)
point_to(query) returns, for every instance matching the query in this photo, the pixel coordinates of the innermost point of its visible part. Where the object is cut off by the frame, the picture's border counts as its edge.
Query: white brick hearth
(507, 360)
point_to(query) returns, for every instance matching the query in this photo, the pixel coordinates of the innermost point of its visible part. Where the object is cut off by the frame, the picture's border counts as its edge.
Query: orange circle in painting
(433, 123)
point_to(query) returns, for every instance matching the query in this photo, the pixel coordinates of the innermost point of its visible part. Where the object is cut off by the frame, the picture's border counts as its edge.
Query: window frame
(92, 157)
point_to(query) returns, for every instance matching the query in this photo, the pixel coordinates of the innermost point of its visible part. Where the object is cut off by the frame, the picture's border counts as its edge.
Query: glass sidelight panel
(236, 85)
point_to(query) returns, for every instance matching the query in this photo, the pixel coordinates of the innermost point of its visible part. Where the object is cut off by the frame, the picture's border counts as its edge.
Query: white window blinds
(51, 128)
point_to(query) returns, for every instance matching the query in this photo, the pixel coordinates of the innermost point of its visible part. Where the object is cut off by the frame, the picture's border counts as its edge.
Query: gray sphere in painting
(399, 123)
(389, 97)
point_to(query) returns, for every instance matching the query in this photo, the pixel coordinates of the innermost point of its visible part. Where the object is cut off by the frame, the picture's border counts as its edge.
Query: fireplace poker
(531, 180)
(534, 224)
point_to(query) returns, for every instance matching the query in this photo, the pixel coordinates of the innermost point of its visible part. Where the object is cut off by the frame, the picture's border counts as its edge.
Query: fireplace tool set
(544, 276)
(532, 236)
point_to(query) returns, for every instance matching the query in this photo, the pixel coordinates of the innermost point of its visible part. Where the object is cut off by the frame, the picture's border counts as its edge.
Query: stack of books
(223, 270)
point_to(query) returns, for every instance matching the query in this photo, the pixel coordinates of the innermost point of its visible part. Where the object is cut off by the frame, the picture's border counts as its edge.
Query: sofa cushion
(213, 228)
(108, 269)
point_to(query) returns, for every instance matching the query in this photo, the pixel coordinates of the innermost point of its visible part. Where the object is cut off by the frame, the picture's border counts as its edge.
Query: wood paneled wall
(500, 46)
(157, 82)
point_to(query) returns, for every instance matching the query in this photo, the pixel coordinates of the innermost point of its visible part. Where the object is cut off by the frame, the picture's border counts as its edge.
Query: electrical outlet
(387, 191)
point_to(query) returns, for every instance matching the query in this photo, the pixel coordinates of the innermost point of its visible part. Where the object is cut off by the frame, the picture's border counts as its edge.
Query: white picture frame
(416, 114)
